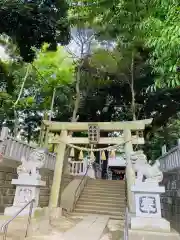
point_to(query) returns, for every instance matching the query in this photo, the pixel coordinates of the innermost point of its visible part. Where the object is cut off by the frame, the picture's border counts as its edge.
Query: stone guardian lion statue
(31, 166)
(152, 174)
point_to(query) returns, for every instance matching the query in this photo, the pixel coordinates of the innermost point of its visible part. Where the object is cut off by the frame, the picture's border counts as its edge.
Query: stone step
(109, 189)
(113, 214)
(106, 186)
(103, 207)
(93, 194)
(100, 207)
(81, 215)
(108, 201)
(105, 191)
(104, 197)
(106, 182)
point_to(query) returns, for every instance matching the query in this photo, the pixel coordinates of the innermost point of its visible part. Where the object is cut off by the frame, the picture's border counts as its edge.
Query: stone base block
(55, 213)
(146, 235)
(150, 224)
(11, 211)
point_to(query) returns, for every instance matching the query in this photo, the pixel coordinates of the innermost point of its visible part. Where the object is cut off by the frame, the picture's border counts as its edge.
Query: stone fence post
(3, 136)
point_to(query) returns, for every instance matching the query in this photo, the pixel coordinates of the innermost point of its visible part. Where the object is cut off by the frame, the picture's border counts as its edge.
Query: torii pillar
(130, 174)
(55, 189)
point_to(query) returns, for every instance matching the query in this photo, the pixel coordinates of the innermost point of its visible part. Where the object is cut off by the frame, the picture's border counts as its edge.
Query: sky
(3, 55)
(75, 45)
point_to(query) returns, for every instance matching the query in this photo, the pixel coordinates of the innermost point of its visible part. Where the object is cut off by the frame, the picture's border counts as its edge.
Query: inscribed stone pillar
(3, 136)
(130, 174)
(55, 190)
(148, 208)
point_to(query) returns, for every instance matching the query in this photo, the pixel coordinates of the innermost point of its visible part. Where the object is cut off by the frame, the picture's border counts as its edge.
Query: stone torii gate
(132, 134)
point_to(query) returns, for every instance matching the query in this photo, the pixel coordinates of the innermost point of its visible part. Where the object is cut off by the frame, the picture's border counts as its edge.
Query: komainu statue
(146, 172)
(32, 165)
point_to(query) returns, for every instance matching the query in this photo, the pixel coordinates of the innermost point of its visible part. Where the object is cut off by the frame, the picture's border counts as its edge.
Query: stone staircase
(106, 197)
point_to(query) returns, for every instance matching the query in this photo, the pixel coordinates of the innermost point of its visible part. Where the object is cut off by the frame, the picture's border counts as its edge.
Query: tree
(54, 70)
(161, 31)
(31, 23)
(113, 99)
(108, 80)
(151, 24)
(168, 134)
(105, 17)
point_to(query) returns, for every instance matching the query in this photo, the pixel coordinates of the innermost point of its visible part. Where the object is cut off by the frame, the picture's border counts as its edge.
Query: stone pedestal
(148, 209)
(27, 188)
(150, 235)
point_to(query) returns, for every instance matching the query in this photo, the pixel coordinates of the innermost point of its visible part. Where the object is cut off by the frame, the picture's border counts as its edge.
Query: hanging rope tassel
(92, 156)
(81, 155)
(72, 152)
(103, 156)
(113, 154)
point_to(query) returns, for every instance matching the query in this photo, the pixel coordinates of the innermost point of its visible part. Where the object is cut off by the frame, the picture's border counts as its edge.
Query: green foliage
(144, 46)
(31, 23)
(150, 24)
(53, 70)
(166, 134)
(162, 35)
(105, 60)
(56, 68)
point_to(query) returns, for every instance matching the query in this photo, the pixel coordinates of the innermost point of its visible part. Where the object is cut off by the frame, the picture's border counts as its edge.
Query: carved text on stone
(147, 205)
(25, 195)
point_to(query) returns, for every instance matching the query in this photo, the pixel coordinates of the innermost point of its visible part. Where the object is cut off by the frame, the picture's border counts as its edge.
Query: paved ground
(90, 228)
(114, 230)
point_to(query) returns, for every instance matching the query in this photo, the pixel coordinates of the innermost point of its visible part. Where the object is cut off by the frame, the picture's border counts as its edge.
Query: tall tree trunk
(16, 120)
(77, 100)
(133, 100)
(52, 104)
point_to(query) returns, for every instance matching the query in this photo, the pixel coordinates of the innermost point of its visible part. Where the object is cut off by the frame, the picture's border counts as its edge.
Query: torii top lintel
(103, 126)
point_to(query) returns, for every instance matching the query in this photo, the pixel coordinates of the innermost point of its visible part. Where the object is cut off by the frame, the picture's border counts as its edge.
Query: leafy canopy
(31, 23)
(162, 35)
(54, 68)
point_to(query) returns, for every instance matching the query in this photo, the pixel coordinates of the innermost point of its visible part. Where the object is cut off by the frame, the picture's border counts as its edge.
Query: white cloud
(3, 54)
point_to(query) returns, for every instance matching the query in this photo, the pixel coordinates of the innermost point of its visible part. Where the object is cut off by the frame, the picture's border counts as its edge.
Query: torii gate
(130, 137)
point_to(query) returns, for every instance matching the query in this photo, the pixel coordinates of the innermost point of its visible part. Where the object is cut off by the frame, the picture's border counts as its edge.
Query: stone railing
(170, 200)
(171, 159)
(13, 149)
(77, 168)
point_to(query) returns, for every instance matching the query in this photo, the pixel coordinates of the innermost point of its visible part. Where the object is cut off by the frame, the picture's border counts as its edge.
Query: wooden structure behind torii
(127, 138)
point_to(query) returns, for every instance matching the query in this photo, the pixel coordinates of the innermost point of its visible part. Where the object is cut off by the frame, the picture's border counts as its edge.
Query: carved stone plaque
(147, 204)
(93, 133)
(25, 195)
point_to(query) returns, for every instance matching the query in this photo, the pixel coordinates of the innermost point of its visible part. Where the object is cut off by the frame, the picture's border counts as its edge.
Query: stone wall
(7, 190)
(171, 198)
(47, 176)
